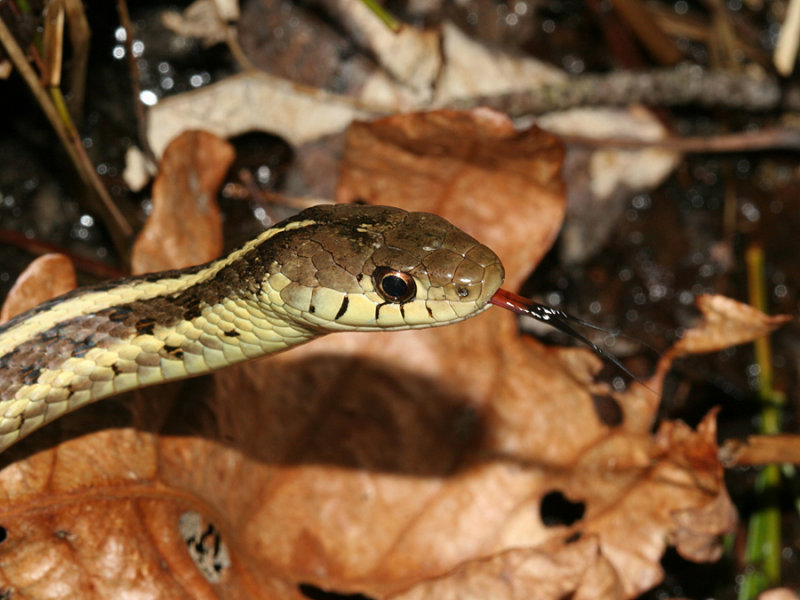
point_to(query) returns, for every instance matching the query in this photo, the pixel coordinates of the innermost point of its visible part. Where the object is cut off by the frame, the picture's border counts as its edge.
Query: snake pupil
(394, 286)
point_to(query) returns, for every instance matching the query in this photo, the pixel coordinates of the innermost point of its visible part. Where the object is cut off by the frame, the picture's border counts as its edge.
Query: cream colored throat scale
(329, 268)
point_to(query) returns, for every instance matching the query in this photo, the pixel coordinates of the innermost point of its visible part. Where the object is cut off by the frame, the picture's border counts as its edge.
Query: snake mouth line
(557, 319)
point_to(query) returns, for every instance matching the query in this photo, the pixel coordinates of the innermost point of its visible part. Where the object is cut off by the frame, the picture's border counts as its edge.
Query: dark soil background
(685, 238)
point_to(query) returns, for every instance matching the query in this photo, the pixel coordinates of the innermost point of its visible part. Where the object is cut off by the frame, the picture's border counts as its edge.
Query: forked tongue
(558, 319)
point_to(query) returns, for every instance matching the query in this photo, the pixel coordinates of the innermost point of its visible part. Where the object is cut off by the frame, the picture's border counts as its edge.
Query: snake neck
(137, 332)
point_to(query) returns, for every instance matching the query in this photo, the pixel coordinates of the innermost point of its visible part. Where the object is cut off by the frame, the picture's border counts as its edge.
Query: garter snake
(329, 268)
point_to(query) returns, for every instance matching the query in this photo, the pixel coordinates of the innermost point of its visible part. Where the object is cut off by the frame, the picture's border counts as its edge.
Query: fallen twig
(662, 87)
(765, 139)
(38, 247)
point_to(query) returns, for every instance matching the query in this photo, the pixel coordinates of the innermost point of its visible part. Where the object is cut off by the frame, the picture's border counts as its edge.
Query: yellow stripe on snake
(329, 268)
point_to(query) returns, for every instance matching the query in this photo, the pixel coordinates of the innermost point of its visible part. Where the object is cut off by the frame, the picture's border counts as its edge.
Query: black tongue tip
(559, 320)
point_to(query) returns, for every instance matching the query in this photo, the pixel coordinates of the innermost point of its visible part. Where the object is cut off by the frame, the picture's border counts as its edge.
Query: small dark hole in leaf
(315, 593)
(3, 534)
(556, 509)
(608, 410)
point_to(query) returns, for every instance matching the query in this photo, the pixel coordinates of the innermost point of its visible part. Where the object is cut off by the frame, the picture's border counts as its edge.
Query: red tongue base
(512, 302)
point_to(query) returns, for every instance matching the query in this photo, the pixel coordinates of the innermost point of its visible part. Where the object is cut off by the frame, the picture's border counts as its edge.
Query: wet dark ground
(685, 238)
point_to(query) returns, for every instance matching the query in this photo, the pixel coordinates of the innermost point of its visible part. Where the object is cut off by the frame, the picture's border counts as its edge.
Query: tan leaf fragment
(203, 19)
(236, 105)
(466, 69)
(185, 226)
(139, 169)
(726, 323)
(613, 167)
(410, 56)
(699, 527)
(470, 70)
(48, 276)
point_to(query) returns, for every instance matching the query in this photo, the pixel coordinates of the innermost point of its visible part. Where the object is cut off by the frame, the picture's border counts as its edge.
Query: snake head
(354, 267)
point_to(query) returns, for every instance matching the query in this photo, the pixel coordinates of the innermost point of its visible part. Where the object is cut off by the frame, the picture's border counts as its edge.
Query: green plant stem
(384, 15)
(763, 549)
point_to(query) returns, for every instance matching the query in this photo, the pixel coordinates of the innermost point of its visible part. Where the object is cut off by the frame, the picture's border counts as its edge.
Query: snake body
(329, 268)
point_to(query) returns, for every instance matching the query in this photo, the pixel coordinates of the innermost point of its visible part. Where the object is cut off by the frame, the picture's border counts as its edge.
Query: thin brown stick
(37, 247)
(79, 40)
(761, 450)
(765, 139)
(119, 229)
(53, 43)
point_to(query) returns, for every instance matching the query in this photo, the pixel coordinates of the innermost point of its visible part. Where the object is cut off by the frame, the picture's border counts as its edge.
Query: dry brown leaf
(410, 464)
(48, 276)
(185, 226)
(94, 520)
(726, 323)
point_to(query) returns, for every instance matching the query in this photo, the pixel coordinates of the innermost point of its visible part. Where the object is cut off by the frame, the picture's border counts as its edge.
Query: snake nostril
(462, 292)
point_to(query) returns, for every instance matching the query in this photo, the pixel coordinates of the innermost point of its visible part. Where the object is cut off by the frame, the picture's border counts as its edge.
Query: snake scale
(328, 268)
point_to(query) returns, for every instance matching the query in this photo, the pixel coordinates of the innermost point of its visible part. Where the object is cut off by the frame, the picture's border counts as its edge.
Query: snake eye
(394, 286)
